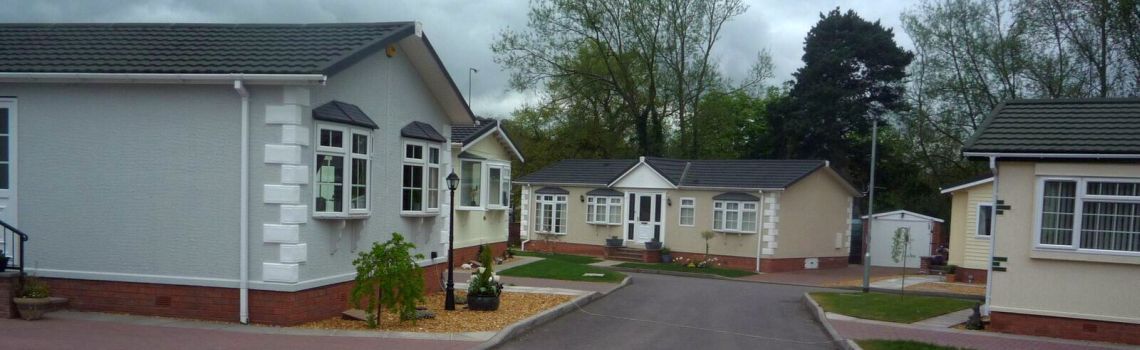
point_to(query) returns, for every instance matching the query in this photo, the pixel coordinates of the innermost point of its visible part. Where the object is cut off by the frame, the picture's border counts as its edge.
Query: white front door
(644, 217)
(8, 161)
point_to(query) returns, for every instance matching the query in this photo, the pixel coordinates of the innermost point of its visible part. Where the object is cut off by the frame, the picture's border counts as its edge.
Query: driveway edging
(821, 317)
(518, 328)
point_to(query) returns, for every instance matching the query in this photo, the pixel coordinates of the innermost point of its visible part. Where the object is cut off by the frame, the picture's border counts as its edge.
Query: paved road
(668, 312)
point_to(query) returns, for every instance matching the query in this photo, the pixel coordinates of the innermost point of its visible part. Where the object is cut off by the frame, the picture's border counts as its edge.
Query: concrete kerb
(518, 328)
(821, 317)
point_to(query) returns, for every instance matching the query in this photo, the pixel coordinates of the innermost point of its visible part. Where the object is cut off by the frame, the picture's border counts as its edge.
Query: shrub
(388, 277)
(485, 282)
(34, 288)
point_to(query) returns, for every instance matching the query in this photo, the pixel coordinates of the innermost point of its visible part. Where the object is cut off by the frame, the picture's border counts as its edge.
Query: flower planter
(667, 258)
(32, 308)
(951, 278)
(614, 242)
(482, 303)
(653, 245)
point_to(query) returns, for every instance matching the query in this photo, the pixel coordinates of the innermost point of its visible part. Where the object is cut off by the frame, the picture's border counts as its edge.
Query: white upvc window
(470, 184)
(420, 178)
(342, 167)
(550, 213)
(498, 186)
(735, 216)
(603, 210)
(688, 213)
(1091, 215)
(985, 219)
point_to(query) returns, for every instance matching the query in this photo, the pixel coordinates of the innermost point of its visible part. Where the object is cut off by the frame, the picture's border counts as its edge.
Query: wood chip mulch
(513, 307)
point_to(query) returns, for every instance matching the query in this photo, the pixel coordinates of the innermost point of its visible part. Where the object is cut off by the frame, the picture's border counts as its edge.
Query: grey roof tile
(466, 133)
(1061, 126)
(341, 112)
(580, 171)
(422, 131)
(604, 192)
(744, 173)
(192, 47)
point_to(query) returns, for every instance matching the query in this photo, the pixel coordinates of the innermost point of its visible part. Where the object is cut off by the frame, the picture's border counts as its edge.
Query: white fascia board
(557, 184)
(641, 162)
(905, 212)
(162, 78)
(501, 136)
(968, 185)
(1052, 155)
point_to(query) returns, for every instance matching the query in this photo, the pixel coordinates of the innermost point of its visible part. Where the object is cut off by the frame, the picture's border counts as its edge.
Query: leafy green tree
(387, 276)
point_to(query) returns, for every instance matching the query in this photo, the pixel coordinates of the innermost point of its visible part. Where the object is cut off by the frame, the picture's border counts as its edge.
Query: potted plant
(32, 299)
(951, 270)
(666, 255)
(614, 241)
(655, 244)
(483, 288)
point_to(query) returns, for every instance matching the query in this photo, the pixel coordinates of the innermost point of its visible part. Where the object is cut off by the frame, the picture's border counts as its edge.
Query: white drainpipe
(243, 315)
(993, 238)
(525, 201)
(759, 229)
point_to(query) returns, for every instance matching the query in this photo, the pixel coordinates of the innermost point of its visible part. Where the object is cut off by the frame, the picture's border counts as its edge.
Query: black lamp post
(452, 184)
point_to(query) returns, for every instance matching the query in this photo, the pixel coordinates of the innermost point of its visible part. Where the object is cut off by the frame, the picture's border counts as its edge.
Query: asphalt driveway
(668, 312)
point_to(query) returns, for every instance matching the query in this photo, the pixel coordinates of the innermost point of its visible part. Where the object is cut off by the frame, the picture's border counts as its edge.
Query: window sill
(469, 208)
(603, 223)
(1085, 255)
(341, 216)
(981, 237)
(419, 214)
(497, 208)
(550, 233)
(735, 232)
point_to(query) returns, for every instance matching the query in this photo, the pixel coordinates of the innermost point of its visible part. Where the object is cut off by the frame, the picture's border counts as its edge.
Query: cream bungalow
(1066, 229)
(971, 225)
(767, 215)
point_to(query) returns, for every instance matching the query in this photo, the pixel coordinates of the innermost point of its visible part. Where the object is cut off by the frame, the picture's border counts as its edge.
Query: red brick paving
(969, 339)
(82, 334)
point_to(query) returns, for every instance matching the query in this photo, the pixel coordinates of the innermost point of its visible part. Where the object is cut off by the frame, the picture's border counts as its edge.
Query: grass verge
(680, 268)
(563, 267)
(889, 307)
(877, 344)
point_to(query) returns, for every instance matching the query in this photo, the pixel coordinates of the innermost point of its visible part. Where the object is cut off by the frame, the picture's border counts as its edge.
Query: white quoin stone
(774, 232)
(767, 251)
(294, 135)
(294, 253)
(282, 194)
(296, 95)
(768, 238)
(282, 273)
(276, 233)
(295, 174)
(283, 154)
(294, 214)
(773, 244)
(283, 114)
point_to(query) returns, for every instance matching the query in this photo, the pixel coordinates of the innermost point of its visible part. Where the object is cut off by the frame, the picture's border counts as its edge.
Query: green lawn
(889, 307)
(901, 345)
(680, 268)
(563, 267)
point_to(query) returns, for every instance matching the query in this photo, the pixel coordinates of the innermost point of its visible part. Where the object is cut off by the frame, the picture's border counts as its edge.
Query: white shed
(922, 237)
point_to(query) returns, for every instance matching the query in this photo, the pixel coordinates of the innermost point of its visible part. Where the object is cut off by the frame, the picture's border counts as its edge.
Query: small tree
(707, 235)
(900, 249)
(388, 277)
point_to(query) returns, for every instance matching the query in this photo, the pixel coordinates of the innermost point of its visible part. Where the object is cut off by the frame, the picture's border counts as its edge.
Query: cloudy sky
(462, 30)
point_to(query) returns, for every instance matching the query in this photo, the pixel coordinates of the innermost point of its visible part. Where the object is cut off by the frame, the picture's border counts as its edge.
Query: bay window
(419, 190)
(470, 184)
(735, 216)
(341, 151)
(603, 210)
(550, 214)
(1089, 214)
(483, 184)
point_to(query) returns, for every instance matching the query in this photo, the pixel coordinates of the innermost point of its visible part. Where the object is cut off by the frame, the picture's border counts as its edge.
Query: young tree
(387, 277)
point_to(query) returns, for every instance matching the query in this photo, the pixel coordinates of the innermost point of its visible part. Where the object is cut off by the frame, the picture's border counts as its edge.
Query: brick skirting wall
(1068, 328)
(962, 275)
(731, 262)
(221, 304)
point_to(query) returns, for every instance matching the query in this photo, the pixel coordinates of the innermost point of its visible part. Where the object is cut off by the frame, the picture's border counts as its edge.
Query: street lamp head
(452, 181)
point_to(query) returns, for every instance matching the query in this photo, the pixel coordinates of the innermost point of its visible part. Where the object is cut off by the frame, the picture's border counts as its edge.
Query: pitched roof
(604, 192)
(422, 131)
(745, 173)
(192, 48)
(342, 112)
(466, 133)
(967, 183)
(1060, 126)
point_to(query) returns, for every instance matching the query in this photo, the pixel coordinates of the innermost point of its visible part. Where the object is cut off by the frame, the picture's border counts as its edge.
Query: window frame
(681, 211)
(346, 153)
(739, 211)
(1080, 196)
(504, 193)
(554, 200)
(605, 202)
(425, 164)
(978, 220)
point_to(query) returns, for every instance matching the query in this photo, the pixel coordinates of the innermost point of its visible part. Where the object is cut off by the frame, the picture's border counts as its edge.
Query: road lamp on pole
(452, 184)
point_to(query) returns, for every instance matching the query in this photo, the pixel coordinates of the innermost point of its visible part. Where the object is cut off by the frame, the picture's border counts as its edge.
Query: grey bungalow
(221, 171)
